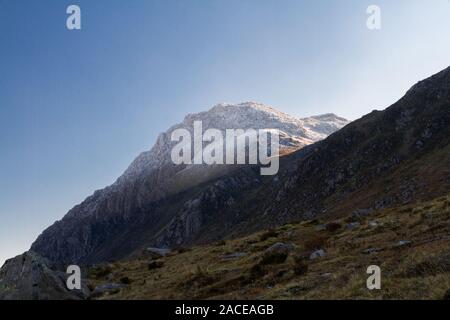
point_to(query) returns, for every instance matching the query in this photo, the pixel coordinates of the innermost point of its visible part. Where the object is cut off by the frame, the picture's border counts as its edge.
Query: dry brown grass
(418, 271)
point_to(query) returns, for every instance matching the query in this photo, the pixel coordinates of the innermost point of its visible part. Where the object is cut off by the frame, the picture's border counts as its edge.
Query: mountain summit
(294, 133)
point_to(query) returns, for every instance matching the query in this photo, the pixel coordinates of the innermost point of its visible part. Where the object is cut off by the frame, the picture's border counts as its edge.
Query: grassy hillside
(410, 243)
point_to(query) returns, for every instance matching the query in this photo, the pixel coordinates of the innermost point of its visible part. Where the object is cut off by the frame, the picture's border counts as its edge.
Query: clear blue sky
(77, 106)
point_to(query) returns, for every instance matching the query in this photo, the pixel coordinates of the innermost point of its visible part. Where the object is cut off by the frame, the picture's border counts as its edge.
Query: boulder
(276, 253)
(353, 225)
(403, 243)
(157, 252)
(317, 254)
(280, 247)
(32, 277)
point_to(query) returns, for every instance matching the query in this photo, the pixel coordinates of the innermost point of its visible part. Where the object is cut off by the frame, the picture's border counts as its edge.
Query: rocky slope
(386, 158)
(156, 201)
(32, 277)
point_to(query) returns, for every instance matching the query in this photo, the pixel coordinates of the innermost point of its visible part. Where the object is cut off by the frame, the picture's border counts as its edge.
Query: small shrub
(350, 219)
(280, 273)
(447, 295)
(220, 243)
(315, 243)
(155, 265)
(300, 267)
(125, 280)
(256, 272)
(313, 222)
(273, 257)
(333, 226)
(268, 234)
(183, 250)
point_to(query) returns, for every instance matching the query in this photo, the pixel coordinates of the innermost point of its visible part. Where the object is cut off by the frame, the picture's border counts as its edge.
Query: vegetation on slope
(411, 244)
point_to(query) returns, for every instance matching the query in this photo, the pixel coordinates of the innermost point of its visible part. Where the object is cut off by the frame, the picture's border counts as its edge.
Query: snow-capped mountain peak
(294, 132)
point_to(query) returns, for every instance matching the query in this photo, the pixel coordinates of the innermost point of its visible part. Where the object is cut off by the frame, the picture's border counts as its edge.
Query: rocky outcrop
(32, 277)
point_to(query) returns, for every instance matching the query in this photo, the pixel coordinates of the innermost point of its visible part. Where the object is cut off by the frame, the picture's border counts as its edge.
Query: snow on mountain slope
(294, 133)
(320, 127)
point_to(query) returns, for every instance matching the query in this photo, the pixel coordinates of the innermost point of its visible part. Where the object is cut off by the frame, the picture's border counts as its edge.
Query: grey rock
(32, 277)
(353, 225)
(157, 252)
(362, 212)
(403, 243)
(373, 224)
(280, 247)
(317, 254)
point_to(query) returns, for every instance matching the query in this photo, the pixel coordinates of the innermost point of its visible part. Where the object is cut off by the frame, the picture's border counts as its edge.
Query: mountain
(157, 202)
(372, 167)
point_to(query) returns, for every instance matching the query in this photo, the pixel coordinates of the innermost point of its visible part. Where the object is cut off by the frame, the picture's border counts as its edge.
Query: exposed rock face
(385, 158)
(31, 277)
(163, 203)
